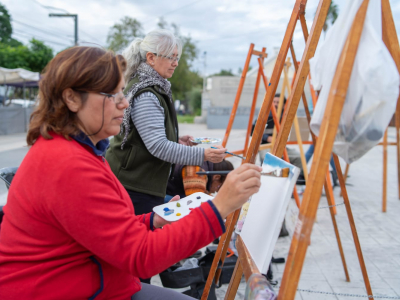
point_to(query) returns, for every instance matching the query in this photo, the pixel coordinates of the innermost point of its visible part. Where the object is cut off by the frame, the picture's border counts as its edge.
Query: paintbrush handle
(233, 154)
(213, 172)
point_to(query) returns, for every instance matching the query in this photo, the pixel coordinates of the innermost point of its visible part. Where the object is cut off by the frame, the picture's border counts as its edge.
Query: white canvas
(267, 210)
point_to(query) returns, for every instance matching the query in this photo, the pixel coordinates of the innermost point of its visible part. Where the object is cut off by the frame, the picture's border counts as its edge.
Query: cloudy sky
(223, 29)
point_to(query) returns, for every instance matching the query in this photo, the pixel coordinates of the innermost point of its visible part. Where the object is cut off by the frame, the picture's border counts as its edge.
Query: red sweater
(68, 222)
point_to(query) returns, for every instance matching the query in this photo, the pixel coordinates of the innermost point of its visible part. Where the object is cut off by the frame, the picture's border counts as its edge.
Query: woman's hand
(187, 140)
(159, 222)
(214, 155)
(239, 185)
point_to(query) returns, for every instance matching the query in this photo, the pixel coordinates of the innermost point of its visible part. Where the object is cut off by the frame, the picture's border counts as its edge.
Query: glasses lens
(119, 97)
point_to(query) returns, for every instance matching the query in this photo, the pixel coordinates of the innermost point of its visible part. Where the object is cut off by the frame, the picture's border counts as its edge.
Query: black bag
(196, 277)
(227, 268)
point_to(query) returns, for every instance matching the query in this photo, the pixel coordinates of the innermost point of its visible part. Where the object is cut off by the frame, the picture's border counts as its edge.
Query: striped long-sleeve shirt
(148, 117)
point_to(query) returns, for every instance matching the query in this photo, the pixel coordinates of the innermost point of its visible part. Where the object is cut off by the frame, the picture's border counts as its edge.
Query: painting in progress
(267, 210)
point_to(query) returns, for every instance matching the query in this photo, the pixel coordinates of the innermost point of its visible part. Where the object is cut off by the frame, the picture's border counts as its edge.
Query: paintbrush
(276, 173)
(233, 154)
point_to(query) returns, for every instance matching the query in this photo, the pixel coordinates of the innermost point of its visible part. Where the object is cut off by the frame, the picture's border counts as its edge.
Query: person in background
(70, 230)
(143, 154)
(294, 155)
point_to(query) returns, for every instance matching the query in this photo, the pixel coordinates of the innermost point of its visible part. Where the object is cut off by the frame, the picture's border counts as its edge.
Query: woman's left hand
(159, 222)
(187, 140)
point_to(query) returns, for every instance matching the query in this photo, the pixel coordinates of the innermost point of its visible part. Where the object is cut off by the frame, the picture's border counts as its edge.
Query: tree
(33, 57)
(121, 34)
(6, 28)
(331, 16)
(224, 73)
(240, 70)
(5, 24)
(184, 79)
(39, 55)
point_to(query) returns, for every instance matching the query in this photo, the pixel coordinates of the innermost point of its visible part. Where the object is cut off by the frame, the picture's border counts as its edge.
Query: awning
(17, 76)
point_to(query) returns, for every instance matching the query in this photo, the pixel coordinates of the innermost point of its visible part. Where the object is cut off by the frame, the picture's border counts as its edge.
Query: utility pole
(76, 23)
(204, 75)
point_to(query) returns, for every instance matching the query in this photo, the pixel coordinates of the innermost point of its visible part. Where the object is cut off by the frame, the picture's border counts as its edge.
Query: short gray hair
(160, 41)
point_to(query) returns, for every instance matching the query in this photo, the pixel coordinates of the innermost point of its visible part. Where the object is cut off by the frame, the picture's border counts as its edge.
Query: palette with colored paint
(206, 140)
(175, 210)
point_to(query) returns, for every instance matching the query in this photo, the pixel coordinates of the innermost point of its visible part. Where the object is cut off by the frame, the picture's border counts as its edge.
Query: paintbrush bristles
(277, 173)
(285, 172)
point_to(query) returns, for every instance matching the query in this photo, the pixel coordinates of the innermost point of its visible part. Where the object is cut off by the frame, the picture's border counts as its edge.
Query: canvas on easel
(267, 210)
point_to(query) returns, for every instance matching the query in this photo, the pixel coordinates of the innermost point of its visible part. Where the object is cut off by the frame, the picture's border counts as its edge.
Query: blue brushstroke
(272, 163)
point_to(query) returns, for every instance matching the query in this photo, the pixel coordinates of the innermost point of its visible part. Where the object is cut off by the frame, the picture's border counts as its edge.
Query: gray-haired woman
(143, 154)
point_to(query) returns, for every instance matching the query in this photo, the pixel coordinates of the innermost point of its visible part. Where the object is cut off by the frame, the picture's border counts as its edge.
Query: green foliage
(33, 57)
(185, 119)
(5, 25)
(14, 57)
(39, 56)
(184, 79)
(240, 70)
(225, 73)
(121, 34)
(194, 100)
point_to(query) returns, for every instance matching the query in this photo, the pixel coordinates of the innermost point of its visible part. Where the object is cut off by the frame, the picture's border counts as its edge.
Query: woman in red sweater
(70, 230)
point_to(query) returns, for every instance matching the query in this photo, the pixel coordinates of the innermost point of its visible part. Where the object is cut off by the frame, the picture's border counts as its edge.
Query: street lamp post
(76, 23)
(204, 75)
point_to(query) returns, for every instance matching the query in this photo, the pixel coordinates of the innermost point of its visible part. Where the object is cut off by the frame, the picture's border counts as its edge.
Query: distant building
(220, 93)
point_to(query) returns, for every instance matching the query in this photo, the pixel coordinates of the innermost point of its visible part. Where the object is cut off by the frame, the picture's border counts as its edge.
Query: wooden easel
(324, 144)
(298, 13)
(324, 148)
(251, 52)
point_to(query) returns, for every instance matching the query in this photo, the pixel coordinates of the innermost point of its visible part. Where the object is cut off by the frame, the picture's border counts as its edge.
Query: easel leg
(253, 107)
(352, 225)
(327, 184)
(238, 94)
(346, 173)
(384, 186)
(398, 145)
(335, 227)
(220, 254)
(235, 281)
(329, 191)
(391, 41)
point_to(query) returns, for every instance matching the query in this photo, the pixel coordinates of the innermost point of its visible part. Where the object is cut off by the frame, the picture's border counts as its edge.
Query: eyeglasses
(116, 98)
(170, 58)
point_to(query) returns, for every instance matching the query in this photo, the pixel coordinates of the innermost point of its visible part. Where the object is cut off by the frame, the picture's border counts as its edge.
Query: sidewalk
(323, 270)
(11, 142)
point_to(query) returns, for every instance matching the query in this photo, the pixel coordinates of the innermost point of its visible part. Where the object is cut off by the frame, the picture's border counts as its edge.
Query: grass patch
(185, 119)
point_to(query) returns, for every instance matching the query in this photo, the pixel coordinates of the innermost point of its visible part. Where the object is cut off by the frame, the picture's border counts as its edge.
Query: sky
(223, 29)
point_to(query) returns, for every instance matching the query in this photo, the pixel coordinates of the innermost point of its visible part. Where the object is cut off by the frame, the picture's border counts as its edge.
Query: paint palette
(206, 140)
(175, 210)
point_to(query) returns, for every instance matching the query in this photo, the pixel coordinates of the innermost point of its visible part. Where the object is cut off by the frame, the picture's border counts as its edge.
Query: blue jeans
(310, 153)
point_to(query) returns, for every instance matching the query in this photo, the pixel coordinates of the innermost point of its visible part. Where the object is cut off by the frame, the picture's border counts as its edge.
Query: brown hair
(224, 165)
(83, 69)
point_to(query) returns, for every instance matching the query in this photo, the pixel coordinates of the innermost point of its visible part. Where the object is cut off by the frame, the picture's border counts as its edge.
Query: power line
(172, 11)
(65, 21)
(53, 34)
(234, 36)
(22, 33)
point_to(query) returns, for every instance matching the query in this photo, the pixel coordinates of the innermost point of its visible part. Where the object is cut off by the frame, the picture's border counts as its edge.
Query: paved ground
(322, 271)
